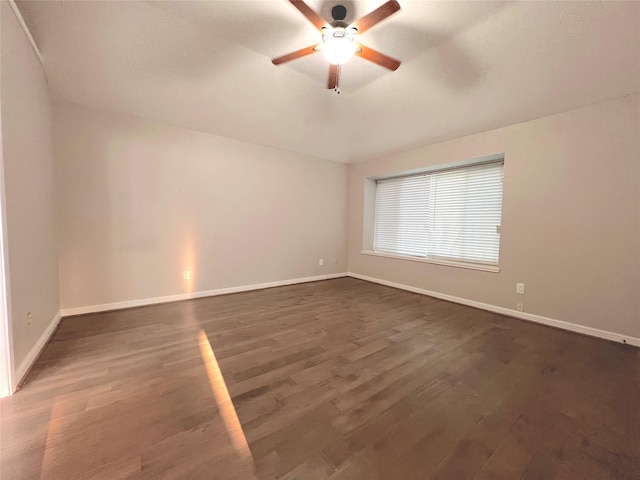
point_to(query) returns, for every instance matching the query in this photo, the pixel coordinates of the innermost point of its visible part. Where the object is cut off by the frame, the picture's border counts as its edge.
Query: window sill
(448, 263)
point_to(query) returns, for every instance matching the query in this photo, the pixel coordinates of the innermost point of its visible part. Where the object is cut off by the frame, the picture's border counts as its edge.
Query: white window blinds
(449, 214)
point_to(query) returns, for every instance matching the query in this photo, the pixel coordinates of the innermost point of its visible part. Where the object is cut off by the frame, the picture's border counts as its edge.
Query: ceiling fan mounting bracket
(339, 12)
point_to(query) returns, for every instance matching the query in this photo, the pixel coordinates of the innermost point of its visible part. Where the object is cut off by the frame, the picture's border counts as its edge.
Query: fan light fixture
(338, 44)
(339, 38)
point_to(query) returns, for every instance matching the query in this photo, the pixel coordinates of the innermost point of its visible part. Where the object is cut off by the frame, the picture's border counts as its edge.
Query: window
(451, 214)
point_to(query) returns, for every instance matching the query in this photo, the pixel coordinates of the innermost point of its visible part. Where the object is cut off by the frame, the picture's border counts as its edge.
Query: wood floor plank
(339, 379)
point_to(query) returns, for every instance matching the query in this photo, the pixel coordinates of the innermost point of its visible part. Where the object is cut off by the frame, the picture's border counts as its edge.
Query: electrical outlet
(520, 306)
(520, 288)
(186, 274)
(28, 318)
(321, 261)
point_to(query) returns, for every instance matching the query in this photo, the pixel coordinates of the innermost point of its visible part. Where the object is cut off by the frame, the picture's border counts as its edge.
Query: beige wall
(29, 189)
(141, 202)
(571, 218)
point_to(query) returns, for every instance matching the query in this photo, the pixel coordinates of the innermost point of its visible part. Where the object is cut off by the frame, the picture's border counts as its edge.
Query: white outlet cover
(520, 288)
(321, 262)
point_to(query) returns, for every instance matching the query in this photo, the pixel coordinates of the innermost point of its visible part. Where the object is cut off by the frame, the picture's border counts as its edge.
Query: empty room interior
(319, 239)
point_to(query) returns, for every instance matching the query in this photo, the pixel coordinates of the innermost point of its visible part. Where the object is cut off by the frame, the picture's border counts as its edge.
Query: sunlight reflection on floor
(221, 394)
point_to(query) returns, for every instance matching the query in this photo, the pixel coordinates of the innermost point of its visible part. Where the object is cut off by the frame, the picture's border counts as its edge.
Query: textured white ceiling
(468, 66)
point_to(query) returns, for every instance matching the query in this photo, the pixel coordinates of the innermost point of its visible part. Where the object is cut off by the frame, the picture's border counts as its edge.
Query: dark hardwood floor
(340, 379)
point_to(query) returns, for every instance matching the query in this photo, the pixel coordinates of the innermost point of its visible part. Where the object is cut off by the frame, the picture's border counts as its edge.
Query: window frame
(370, 206)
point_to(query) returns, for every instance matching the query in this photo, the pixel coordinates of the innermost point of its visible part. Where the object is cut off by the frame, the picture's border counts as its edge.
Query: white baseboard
(67, 312)
(34, 353)
(593, 332)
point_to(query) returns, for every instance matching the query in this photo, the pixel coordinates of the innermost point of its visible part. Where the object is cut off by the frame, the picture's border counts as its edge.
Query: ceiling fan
(339, 39)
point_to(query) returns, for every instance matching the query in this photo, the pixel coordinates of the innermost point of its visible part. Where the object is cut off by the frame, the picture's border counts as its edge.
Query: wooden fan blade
(308, 12)
(377, 57)
(373, 18)
(303, 52)
(333, 76)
